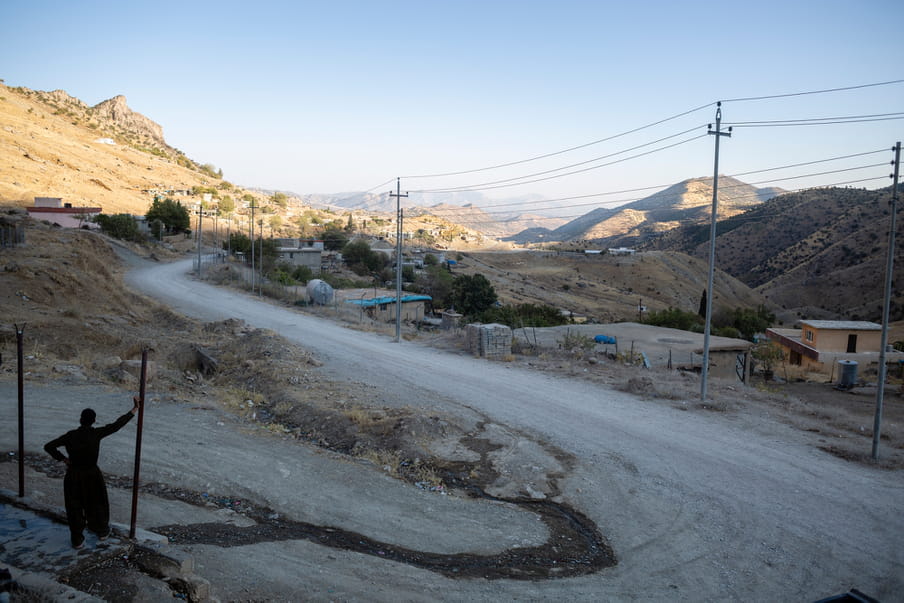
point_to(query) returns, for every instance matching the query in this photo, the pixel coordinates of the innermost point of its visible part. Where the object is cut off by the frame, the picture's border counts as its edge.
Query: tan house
(818, 344)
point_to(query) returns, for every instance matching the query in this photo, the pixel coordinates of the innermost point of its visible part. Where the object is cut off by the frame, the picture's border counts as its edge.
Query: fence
(11, 235)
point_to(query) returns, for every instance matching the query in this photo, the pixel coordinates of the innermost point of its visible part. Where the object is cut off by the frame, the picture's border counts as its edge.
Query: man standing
(84, 490)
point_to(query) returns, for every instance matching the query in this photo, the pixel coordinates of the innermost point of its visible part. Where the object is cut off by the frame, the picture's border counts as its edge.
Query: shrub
(121, 226)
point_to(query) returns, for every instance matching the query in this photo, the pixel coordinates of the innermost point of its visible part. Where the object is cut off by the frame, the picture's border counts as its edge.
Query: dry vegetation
(605, 288)
(82, 325)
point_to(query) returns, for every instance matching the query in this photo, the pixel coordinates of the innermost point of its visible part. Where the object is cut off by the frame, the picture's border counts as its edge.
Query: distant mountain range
(688, 202)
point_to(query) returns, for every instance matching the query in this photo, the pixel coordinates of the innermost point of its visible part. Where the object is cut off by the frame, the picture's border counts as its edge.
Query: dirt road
(696, 506)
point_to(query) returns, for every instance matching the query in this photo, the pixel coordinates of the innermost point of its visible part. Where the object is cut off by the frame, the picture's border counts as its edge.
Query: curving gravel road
(696, 506)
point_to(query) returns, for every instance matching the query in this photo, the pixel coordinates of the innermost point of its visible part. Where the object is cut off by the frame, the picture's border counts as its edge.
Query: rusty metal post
(20, 333)
(135, 482)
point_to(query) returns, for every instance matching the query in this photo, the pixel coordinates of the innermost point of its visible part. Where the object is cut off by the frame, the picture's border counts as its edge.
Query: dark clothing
(84, 489)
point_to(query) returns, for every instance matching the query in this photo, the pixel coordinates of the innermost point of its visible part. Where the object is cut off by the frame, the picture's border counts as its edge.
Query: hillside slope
(687, 202)
(819, 253)
(607, 288)
(53, 145)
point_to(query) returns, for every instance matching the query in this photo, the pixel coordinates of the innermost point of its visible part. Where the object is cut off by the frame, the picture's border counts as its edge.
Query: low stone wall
(493, 341)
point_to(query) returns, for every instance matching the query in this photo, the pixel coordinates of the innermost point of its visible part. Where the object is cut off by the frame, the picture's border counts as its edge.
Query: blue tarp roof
(387, 299)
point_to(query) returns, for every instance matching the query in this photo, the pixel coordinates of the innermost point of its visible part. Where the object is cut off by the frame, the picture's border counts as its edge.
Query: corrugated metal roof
(843, 325)
(388, 299)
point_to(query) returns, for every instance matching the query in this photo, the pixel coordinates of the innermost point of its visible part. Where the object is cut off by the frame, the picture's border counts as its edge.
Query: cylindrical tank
(847, 373)
(320, 292)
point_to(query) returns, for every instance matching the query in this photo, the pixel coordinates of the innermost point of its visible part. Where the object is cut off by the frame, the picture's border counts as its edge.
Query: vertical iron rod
(886, 309)
(135, 476)
(20, 333)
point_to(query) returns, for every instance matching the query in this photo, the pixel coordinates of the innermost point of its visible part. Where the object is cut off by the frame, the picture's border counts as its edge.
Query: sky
(341, 96)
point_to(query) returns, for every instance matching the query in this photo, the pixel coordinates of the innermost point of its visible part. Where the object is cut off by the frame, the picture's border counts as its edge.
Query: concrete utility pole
(200, 216)
(398, 313)
(712, 251)
(886, 308)
(260, 283)
(252, 246)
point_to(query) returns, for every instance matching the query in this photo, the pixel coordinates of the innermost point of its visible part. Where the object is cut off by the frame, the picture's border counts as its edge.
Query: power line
(565, 167)
(662, 186)
(568, 150)
(842, 118)
(809, 92)
(458, 215)
(595, 167)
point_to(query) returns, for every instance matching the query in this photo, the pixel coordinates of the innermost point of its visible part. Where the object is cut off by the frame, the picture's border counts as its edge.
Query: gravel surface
(696, 506)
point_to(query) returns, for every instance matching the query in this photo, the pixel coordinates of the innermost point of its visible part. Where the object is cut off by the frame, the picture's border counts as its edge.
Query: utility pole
(718, 133)
(260, 283)
(252, 245)
(200, 216)
(398, 312)
(886, 309)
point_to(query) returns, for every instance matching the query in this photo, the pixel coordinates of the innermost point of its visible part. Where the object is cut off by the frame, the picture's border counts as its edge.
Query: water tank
(320, 292)
(847, 373)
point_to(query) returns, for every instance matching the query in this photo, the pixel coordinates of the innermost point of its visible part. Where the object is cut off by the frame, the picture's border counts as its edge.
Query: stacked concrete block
(493, 341)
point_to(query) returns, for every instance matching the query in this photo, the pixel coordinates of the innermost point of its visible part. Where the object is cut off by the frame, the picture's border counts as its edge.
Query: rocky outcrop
(117, 111)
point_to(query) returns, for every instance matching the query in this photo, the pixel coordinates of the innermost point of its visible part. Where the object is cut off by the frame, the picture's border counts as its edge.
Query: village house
(301, 252)
(62, 214)
(819, 344)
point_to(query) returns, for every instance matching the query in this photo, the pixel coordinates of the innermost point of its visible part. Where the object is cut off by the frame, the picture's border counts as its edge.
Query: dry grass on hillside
(605, 288)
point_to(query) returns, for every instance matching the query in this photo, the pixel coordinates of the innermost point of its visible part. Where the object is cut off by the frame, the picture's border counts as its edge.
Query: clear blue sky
(324, 97)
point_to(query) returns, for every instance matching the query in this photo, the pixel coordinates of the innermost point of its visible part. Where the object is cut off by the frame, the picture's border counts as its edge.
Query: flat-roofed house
(55, 211)
(818, 344)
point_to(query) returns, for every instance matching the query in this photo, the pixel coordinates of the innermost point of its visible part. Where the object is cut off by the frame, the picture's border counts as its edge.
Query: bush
(120, 226)
(173, 215)
(674, 318)
(361, 259)
(472, 294)
(524, 315)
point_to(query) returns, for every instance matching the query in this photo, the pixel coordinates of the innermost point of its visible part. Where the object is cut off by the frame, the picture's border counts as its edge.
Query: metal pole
(261, 260)
(252, 246)
(398, 195)
(886, 310)
(704, 371)
(135, 482)
(200, 216)
(20, 333)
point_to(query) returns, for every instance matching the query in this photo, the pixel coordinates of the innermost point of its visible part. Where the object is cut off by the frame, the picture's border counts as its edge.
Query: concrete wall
(836, 340)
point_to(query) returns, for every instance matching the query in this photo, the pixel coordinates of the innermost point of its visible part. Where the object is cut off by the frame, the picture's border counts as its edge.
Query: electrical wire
(587, 169)
(568, 150)
(455, 215)
(723, 188)
(809, 92)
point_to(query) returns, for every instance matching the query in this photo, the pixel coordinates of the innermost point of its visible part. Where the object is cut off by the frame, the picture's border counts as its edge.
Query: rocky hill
(819, 253)
(687, 202)
(55, 145)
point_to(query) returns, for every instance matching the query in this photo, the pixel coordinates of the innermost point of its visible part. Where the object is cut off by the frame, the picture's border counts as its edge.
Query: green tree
(120, 226)
(472, 294)
(174, 216)
(334, 238)
(350, 225)
(226, 206)
(280, 199)
(750, 322)
(435, 281)
(675, 318)
(768, 354)
(361, 259)
(302, 222)
(525, 315)
(275, 222)
(238, 243)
